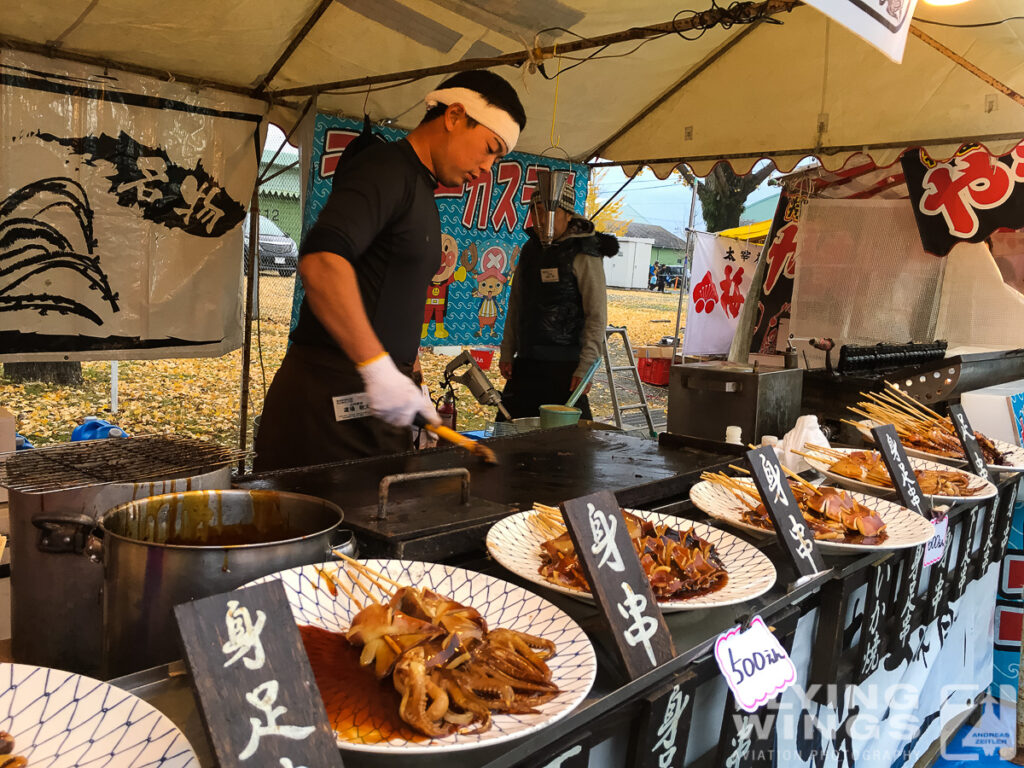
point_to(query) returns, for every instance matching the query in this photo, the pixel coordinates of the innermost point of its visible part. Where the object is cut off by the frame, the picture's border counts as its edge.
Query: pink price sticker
(754, 664)
(937, 543)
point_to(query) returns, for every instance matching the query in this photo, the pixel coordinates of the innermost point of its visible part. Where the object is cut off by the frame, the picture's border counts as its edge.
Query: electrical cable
(737, 12)
(969, 26)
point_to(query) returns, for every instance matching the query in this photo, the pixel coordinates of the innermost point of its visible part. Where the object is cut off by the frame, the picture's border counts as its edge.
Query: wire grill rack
(87, 463)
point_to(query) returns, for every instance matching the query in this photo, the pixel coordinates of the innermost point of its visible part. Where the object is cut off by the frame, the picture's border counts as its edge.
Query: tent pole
(739, 350)
(974, 69)
(684, 285)
(250, 290)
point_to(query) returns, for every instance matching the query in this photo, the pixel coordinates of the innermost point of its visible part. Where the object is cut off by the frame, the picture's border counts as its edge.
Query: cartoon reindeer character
(490, 282)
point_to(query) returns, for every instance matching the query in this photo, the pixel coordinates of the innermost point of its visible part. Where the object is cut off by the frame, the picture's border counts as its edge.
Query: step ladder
(638, 387)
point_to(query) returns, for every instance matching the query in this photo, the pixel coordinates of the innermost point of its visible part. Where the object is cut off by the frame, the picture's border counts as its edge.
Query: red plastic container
(654, 370)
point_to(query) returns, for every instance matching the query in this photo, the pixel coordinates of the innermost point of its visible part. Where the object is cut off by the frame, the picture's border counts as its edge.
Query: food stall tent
(744, 93)
(805, 86)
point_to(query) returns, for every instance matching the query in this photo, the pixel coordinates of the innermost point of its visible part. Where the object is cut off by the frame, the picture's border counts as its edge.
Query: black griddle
(426, 519)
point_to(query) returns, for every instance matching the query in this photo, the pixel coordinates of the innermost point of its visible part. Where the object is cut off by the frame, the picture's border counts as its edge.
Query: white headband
(488, 115)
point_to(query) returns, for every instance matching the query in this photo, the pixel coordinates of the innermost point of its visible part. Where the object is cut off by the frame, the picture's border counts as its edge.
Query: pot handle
(344, 541)
(74, 533)
(389, 480)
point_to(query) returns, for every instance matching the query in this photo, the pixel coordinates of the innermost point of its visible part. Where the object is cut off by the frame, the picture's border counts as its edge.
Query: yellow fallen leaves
(200, 397)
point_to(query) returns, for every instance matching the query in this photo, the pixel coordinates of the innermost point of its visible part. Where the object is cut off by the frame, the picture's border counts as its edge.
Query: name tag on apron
(354, 406)
(549, 275)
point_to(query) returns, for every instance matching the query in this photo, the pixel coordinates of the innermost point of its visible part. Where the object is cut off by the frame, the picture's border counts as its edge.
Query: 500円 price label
(937, 543)
(754, 664)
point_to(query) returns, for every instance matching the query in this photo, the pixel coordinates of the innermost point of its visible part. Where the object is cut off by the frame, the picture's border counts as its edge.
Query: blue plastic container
(95, 428)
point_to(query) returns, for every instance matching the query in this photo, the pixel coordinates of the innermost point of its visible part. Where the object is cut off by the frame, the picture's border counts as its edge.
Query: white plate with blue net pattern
(62, 720)
(515, 543)
(904, 527)
(1013, 455)
(573, 667)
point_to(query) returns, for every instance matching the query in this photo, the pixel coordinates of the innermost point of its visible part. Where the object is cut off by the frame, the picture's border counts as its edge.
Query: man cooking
(557, 309)
(345, 388)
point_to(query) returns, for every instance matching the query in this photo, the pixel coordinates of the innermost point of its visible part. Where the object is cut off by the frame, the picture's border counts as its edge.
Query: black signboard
(778, 270)
(663, 728)
(256, 691)
(967, 198)
(900, 472)
(574, 754)
(618, 582)
(790, 527)
(962, 427)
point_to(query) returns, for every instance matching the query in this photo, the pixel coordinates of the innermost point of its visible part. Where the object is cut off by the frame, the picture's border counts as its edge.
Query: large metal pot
(50, 578)
(165, 550)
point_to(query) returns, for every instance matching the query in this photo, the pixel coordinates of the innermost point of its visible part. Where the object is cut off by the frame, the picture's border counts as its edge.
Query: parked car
(277, 252)
(674, 274)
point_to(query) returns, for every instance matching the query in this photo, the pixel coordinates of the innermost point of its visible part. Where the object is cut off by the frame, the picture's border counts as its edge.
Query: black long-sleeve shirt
(382, 218)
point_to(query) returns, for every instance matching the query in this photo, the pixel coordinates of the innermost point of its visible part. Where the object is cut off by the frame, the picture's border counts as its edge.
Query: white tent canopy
(806, 86)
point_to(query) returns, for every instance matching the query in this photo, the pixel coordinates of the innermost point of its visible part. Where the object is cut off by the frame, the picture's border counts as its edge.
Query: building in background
(279, 195)
(666, 248)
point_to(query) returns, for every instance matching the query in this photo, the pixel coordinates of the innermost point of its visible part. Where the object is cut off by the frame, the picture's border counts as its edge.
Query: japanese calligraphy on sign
(665, 747)
(896, 461)
(121, 200)
(786, 517)
(618, 583)
(253, 680)
(962, 427)
(643, 627)
(602, 528)
(966, 198)
(721, 283)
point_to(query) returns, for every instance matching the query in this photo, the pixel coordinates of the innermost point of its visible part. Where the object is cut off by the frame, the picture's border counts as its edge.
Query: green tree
(722, 193)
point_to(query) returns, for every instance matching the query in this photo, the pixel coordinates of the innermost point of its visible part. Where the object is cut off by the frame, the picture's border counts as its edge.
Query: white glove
(393, 397)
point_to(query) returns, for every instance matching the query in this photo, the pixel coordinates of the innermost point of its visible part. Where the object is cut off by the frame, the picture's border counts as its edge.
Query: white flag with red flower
(719, 280)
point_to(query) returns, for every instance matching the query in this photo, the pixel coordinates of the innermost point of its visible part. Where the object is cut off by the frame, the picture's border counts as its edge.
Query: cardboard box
(6, 440)
(655, 350)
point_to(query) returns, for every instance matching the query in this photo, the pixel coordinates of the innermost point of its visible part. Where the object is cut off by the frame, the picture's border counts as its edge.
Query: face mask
(545, 200)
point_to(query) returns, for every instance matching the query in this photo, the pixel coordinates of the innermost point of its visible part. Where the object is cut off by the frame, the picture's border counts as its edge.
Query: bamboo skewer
(364, 568)
(366, 590)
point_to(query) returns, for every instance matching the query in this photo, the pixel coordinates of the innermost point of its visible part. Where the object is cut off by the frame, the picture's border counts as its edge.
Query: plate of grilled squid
(689, 565)
(865, 471)
(842, 522)
(415, 658)
(927, 435)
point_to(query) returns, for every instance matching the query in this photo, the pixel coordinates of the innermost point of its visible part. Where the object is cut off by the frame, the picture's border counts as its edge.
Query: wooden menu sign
(259, 701)
(618, 582)
(975, 458)
(900, 472)
(790, 527)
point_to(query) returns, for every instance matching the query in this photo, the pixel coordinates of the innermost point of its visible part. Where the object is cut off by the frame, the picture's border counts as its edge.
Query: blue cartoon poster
(483, 225)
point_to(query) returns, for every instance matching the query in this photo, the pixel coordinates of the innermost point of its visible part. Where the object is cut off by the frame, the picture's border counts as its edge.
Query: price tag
(937, 543)
(900, 472)
(754, 664)
(790, 527)
(259, 701)
(962, 427)
(618, 582)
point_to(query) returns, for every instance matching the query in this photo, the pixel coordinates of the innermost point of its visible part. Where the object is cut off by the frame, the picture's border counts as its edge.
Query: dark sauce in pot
(359, 707)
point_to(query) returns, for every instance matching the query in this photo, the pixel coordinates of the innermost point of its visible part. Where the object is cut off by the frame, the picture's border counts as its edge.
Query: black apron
(534, 383)
(299, 426)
